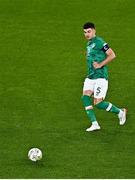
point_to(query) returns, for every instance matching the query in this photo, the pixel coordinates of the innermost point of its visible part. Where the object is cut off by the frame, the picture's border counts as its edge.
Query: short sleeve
(102, 45)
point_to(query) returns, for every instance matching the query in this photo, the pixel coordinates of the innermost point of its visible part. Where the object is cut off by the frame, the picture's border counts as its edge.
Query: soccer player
(99, 54)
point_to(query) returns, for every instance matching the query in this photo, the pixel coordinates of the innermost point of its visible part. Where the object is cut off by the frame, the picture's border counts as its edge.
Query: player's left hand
(96, 65)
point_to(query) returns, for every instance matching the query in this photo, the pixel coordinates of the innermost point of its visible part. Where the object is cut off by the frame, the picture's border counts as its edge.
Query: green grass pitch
(42, 68)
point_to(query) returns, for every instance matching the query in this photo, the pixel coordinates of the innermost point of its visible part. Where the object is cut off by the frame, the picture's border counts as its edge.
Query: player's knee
(97, 100)
(84, 96)
(87, 92)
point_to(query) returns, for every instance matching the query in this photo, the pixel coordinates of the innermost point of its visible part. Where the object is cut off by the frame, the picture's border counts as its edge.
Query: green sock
(91, 115)
(87, 101)
(108, 107)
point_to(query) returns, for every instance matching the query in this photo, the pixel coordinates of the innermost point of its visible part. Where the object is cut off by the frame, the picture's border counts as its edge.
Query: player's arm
(110, 56)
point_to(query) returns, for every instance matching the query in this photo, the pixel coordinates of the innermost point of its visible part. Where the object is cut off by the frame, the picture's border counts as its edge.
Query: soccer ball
(35, 154)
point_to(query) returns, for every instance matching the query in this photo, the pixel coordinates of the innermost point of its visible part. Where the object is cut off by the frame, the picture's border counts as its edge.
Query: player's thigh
(100, 88)
(88, 87)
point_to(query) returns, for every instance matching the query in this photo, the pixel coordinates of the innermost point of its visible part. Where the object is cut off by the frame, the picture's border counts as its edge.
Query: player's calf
(112, 108)
(87, 101)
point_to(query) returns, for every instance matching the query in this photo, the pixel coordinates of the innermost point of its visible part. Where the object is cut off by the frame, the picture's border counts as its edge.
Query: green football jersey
(96, 48)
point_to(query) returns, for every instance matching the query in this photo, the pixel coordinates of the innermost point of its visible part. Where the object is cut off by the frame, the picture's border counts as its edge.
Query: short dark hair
(88, 25)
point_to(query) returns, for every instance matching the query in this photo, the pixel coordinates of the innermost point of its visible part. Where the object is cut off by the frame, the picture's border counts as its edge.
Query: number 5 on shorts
(98, 90)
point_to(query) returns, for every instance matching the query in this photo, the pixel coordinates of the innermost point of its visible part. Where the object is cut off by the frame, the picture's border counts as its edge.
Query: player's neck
(93, 37)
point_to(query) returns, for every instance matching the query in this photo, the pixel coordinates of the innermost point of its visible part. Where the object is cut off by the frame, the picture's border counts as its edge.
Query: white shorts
(98, 86)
